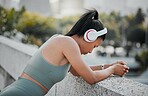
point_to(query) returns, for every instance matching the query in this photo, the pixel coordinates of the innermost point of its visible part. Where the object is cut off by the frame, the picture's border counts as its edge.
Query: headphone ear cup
(90, 35)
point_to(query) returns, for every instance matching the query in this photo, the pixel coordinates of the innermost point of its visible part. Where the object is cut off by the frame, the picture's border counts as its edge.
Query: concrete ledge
(113, 86)
(14, 57)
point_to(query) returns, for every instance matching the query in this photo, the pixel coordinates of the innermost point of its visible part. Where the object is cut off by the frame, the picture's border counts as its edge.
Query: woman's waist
(28, 87)
(39, 75)
(26, 76)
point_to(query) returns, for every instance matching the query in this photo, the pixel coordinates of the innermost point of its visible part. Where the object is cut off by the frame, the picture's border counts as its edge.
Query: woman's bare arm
(72, 52)
(98, 67)
(93, 67)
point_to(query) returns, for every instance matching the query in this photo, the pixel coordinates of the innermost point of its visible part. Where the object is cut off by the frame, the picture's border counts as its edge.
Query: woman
(61, 54)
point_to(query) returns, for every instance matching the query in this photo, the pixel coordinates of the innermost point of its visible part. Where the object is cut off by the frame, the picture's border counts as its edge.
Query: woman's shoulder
(66, 41)
(63, 39)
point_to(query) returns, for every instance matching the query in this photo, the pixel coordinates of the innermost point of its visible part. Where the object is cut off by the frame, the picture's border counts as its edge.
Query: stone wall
(113, 86)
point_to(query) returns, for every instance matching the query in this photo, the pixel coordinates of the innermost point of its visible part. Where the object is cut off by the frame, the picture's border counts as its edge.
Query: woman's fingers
(121, 62)
(125, 70)
(120, 69)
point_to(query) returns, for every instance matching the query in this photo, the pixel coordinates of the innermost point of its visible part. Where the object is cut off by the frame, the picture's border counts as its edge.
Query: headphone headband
(101, 32)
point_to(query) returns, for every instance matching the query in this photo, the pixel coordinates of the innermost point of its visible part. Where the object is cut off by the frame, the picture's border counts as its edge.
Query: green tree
(140, 17)
(142, 58)
(36, 26)
(135, 30)
(3, 14)
(113, 23)
(67, 22)
(9, 18)
(137, 34)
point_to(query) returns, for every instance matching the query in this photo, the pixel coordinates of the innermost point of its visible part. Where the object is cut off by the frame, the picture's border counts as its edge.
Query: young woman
(62, 53)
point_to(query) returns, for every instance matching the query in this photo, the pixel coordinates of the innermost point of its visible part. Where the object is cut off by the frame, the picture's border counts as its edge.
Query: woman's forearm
(103, 74)
(98, 75)
(93, 67)
(98, 67)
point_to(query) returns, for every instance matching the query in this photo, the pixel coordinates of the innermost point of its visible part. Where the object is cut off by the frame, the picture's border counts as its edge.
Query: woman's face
(89, 46)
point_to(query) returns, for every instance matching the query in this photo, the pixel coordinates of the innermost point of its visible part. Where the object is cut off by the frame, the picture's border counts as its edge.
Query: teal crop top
(45, 73)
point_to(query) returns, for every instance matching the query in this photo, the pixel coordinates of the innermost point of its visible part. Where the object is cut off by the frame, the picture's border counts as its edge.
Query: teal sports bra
(45, 73)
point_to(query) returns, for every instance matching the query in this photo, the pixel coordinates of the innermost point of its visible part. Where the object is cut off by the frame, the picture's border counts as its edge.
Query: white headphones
(91, 34)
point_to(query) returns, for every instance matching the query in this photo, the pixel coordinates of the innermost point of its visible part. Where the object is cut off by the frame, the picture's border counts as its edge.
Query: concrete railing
(14, 57)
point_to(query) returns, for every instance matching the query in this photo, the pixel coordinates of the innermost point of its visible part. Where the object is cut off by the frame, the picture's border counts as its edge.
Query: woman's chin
(84, 53)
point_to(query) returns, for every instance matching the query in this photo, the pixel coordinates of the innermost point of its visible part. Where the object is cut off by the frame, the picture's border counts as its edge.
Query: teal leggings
(22, 87)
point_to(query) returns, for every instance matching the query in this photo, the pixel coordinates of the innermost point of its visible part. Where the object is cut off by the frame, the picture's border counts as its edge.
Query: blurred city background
(34, 21)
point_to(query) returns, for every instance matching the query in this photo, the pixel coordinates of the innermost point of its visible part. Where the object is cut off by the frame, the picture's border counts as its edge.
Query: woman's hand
(120, 68)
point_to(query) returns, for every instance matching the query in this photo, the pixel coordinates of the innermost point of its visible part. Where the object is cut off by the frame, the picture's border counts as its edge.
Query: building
(9, 4)
(60, 8)
(122, 6)
(56, 8)
(39, 6)
(66, 7)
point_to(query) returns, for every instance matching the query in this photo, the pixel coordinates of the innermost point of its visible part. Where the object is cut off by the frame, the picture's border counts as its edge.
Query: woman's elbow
(92, 81)
(75, 74)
